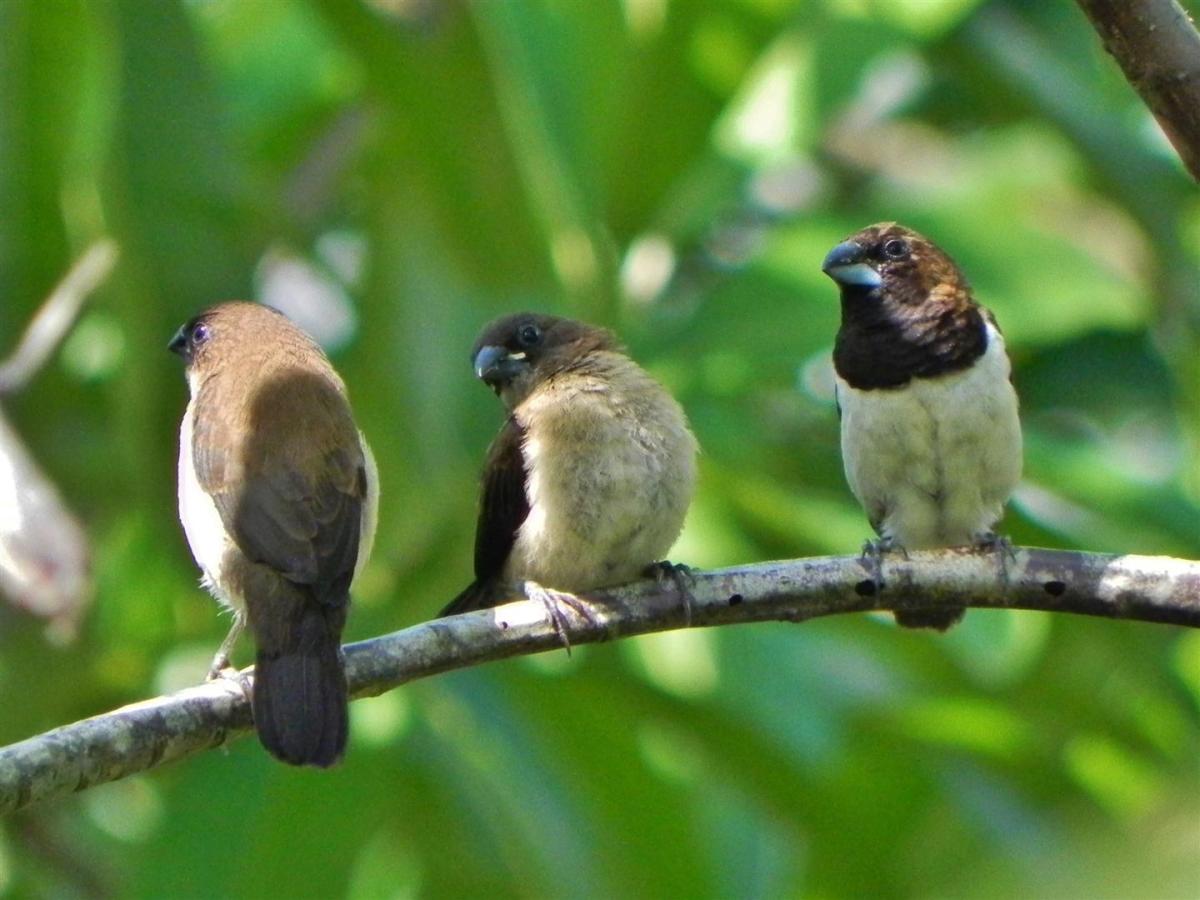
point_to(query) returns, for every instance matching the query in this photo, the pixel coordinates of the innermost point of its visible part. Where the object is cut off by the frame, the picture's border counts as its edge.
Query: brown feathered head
(907, 309)
(238, 328)
(908, 267)
(516, 353)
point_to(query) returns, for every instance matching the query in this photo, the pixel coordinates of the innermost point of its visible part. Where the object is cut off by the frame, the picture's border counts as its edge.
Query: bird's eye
(895, 249)
(199, 334)
(529, 335)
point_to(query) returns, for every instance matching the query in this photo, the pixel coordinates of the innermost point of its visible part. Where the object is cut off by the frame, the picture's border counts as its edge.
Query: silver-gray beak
(847, 265)
(496, 366)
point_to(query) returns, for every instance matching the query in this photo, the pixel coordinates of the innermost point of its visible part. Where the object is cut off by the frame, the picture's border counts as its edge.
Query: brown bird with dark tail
(277, 495)
(589, 480)
(931, 440)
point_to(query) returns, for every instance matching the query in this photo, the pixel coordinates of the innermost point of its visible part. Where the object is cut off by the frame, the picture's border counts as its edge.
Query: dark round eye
(896, 248)
(529, 335)
(199, 334)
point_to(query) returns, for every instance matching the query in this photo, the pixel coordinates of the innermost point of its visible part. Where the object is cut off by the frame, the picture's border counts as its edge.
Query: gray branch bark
(56, 316)
(44, 554)
(145, 735)
(1157, 47)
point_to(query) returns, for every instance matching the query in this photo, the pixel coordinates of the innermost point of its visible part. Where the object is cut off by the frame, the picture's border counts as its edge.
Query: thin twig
(145, 735)
(56, 316)
(1158, 48)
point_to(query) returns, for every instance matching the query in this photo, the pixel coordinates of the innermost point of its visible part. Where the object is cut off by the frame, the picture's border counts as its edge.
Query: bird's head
(893, 261)
(241, 334)
(514, 354)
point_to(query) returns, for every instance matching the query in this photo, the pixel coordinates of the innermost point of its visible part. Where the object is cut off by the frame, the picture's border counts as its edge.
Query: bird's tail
(477, 595)
(940, 619)
(301, 707)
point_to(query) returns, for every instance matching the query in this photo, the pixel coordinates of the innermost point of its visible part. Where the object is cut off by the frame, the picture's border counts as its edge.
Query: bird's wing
(503, 505)
(292, 505)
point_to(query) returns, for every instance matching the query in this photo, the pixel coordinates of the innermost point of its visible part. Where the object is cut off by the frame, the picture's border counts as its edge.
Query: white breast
(933, 462)
(370, 507)
(202, 523)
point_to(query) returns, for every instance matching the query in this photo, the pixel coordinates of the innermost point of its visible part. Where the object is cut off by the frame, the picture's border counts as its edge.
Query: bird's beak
(846, 264)
(495, 366)
(179, 342)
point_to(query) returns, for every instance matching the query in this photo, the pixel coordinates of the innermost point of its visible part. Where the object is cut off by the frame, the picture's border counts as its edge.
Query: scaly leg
(938, 619)
(554, 601)
(220, 663)
(999, 544)
(221, 666)
(681, 576)
(872, 554)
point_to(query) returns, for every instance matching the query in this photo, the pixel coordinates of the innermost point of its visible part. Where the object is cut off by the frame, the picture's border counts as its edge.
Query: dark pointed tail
(477, 595)
(940, 619)
(301, 706)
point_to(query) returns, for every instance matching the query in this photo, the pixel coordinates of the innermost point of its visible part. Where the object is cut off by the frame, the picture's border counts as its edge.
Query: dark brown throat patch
(885, 343)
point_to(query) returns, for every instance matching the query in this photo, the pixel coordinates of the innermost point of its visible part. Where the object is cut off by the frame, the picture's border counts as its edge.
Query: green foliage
(676, 170)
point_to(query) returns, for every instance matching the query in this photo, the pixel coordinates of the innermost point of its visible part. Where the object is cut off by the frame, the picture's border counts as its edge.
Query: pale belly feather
(206, 535)
(607, 497)
(934, 462)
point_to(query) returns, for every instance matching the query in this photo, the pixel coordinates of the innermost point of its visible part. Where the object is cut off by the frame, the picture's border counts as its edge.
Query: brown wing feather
(503, 507)
(292, 505)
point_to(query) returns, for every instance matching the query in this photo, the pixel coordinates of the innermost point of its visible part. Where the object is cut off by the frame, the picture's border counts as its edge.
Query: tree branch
(1158, 49)
(145, 735)
(44, 557)
(56, 315)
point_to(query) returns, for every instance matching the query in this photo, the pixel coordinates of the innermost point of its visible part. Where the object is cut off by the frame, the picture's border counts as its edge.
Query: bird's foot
(681, 576)
(999, 544)
(554, 601)
(872, 558)
(220, 667)
(990, 540)
(220, 660)
(872, 555)
(222, 671)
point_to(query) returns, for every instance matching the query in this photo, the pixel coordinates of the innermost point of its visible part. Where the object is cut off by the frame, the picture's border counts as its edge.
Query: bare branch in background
(56, 316)
(44, 556)
(1158, 49)
(145, 735)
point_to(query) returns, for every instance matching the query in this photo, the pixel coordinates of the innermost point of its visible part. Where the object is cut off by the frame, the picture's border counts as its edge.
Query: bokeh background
(394, 173)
